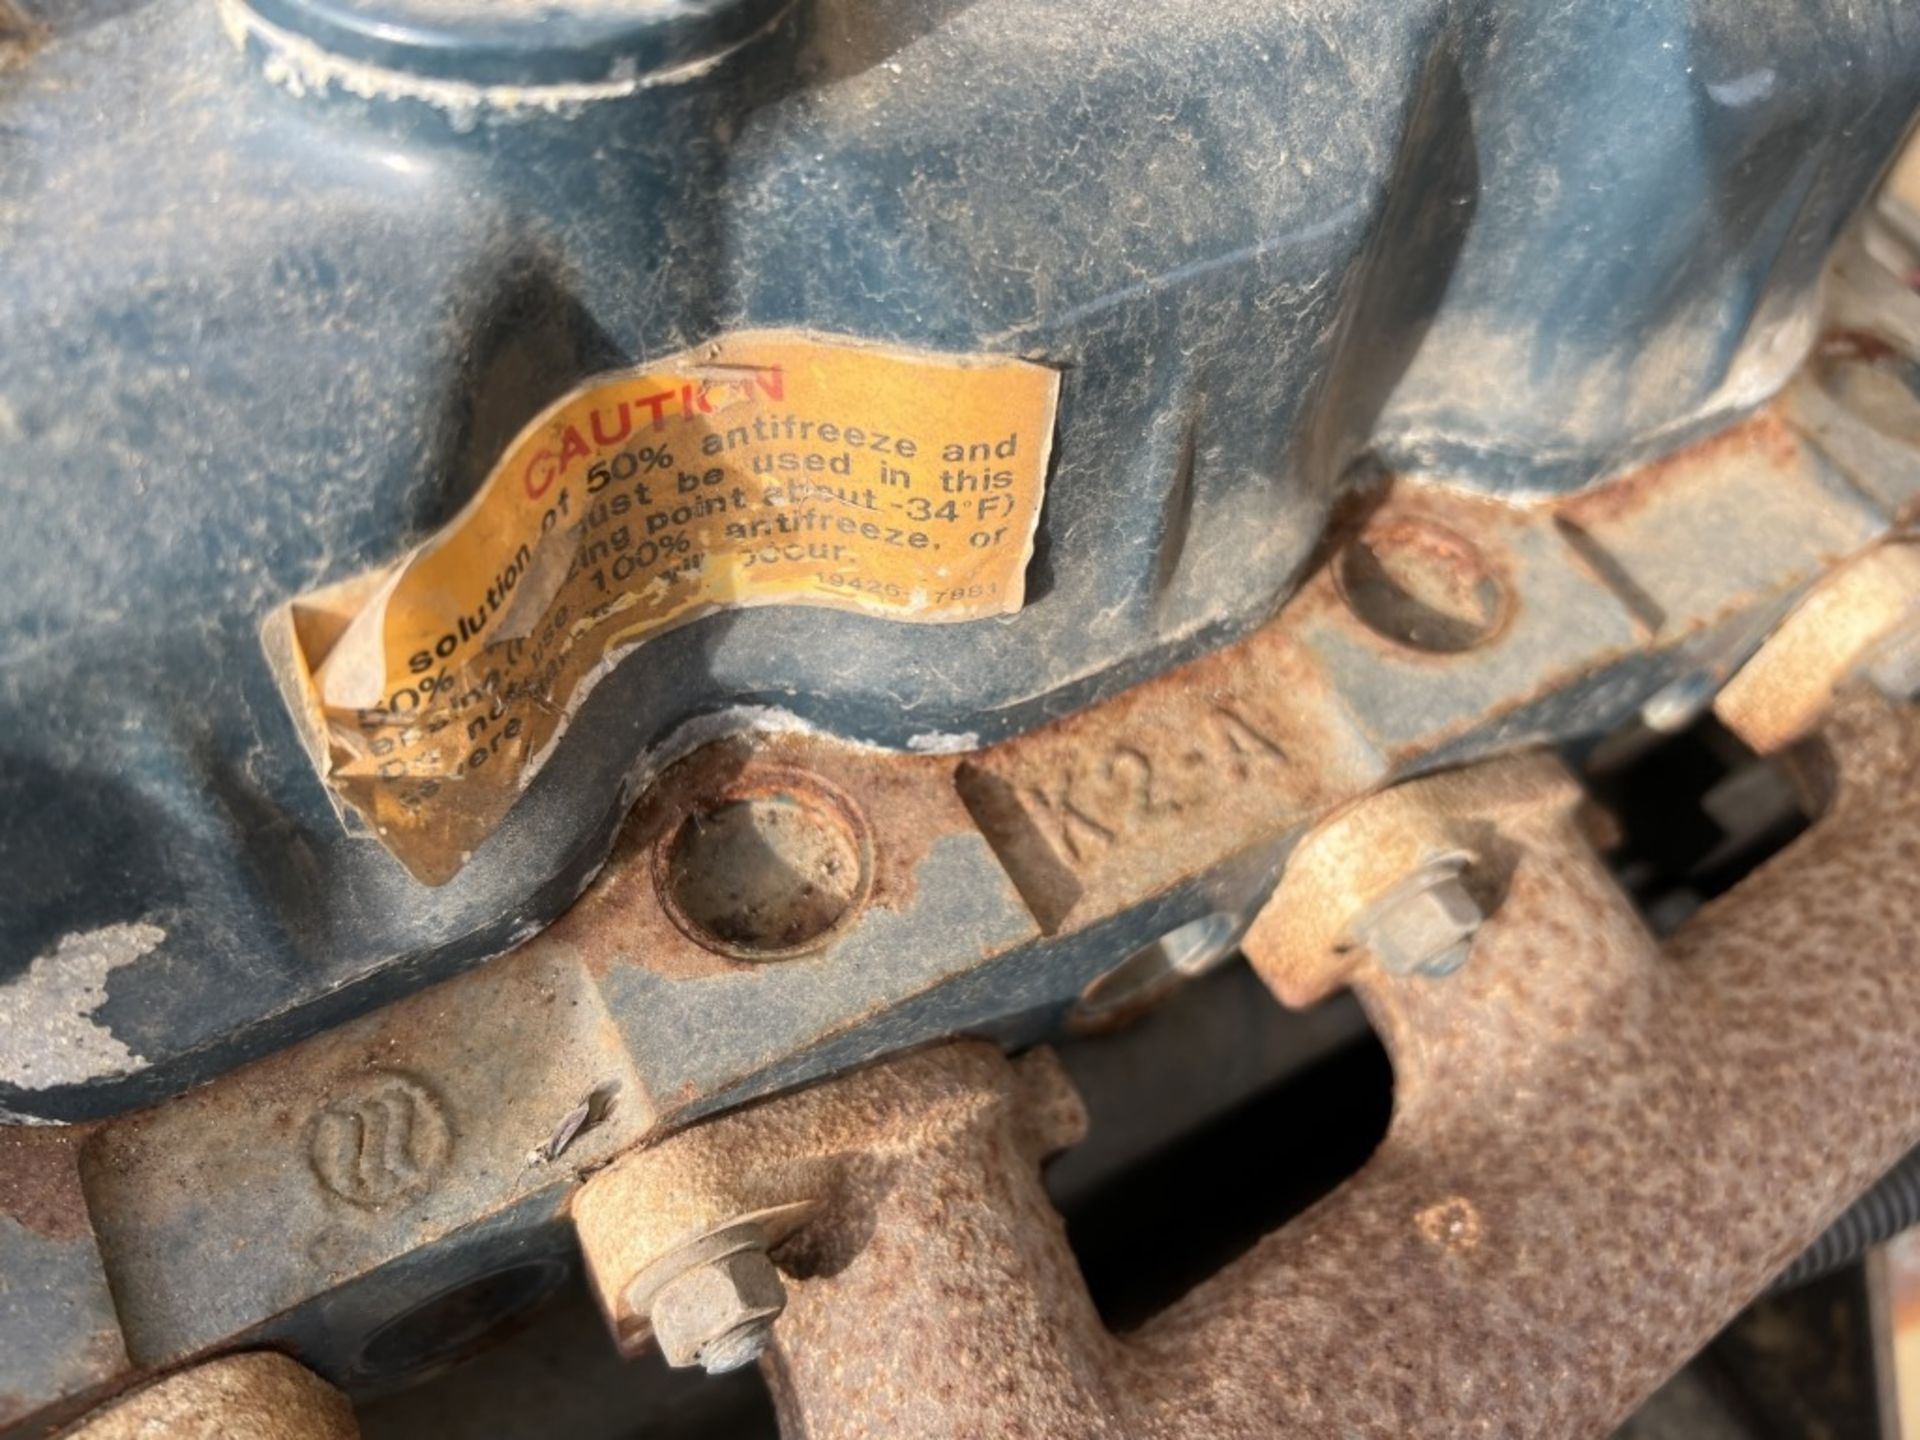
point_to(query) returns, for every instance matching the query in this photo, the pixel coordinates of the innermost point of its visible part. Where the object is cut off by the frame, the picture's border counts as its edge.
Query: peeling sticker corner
(760, 468)
(48, 1035)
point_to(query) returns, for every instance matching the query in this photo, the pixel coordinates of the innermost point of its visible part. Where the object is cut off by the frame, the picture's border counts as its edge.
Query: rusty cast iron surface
(1601, 1150)
(976, 894)
(242, 1397)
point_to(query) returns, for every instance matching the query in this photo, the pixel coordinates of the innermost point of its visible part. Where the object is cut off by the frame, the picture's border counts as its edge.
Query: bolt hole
(1421, 586)
(1147, 975)
(772, 868)
(453, 1324)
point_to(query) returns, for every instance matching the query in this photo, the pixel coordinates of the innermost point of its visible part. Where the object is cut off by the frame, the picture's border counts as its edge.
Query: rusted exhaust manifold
(1601, 1150)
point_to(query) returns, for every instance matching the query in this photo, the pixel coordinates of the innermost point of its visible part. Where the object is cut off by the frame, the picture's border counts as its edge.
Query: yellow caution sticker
(767, 468)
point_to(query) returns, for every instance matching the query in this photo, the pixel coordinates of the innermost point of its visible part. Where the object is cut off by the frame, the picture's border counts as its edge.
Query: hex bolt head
(719, 1314)
(1427, 929)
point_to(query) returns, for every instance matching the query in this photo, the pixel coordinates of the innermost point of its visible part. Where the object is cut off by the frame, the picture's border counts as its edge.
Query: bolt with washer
(1425, 925)
(716, 1306)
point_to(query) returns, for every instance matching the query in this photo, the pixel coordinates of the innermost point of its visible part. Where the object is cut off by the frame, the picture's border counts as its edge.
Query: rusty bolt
(718, 1311)
(1425, 925)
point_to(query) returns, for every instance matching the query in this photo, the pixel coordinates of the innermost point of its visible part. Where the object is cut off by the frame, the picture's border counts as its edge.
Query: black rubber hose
(1883, 1212)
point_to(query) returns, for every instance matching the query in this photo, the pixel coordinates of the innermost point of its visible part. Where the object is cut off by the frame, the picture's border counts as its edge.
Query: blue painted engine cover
(278, 285)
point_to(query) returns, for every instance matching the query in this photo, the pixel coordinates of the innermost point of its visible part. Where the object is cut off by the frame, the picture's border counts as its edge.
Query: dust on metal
(1425, 925)
(1579, 1116)
(767, 869)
